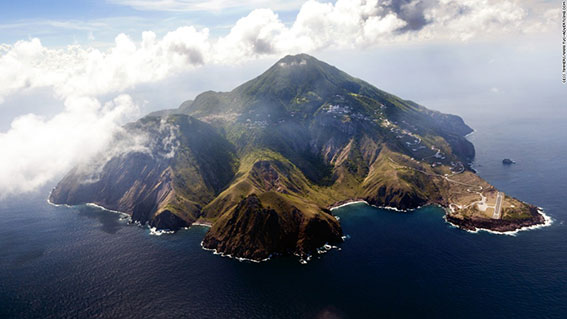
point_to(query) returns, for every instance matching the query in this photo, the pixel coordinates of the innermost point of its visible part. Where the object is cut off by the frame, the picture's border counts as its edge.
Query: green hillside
(264, 162)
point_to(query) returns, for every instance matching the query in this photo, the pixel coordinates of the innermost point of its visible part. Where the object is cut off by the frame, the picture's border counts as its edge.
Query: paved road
(438, 175)
(498, 207)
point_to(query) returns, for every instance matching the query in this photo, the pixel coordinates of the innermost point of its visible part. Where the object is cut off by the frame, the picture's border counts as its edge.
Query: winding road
(497, 207)
(446, 177)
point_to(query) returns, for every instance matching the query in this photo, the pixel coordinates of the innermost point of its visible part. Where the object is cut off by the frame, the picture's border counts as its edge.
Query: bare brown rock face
(253, 231)
(499, 225)
(180, 168)
(262, 161)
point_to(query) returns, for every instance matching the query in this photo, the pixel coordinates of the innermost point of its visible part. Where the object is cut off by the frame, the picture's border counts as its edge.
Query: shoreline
(362, 201)
(202, 224)
(122, 214)
(53, 204)
(303, 259)
(341, 204)
(108, 209)
(153, 231)
(240, 259)
(469, 134)
(548, 221)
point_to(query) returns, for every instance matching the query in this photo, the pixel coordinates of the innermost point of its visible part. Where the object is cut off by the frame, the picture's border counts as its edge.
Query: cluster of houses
(256, 124)
(346, 110)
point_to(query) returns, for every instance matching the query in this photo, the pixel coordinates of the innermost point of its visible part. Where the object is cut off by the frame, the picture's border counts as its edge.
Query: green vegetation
(265, 161)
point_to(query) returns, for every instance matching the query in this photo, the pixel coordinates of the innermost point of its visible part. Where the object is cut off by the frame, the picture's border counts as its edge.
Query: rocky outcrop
(168, 220)
(398, 198)
(254, 231)
(125, 183)
(180, 166)
(261, 161)
(498, 225)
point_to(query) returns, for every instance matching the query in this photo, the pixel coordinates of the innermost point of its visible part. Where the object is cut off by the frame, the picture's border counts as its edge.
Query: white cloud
(163, 144)
(90, 72)
(465, 19)
(86, 71)
(38, 149)
(256, 34)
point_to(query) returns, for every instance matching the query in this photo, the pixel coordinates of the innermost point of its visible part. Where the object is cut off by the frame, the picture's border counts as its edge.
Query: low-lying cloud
(35, 150)
(159, 143)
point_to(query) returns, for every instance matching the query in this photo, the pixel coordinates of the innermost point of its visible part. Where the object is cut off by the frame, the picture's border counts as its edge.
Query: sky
(73, 72)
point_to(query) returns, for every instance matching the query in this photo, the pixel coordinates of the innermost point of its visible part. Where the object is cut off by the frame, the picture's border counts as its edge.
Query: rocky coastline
(537, 218)
(255, 232)
(263, 162)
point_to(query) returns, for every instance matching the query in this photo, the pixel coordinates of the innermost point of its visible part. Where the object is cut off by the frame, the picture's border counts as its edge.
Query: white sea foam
(380, 207)
(158, 232)
(548, 221)
(349, 203)
(303, 259)
(396, 209)
(326, 248)
(241, 259)
(59, 205)
(56, 205)
(471, 133)
(122, 214)
(138, 223)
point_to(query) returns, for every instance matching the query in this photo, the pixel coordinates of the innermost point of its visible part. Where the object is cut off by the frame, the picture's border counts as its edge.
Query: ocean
(83, 262)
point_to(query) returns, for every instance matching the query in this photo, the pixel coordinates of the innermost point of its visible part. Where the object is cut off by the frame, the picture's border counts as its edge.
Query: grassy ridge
(266, 160)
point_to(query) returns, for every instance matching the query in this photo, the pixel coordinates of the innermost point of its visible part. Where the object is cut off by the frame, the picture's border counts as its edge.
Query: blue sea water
(82, 262)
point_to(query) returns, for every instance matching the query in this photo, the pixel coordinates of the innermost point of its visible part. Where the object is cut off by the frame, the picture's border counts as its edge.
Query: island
(265, 163)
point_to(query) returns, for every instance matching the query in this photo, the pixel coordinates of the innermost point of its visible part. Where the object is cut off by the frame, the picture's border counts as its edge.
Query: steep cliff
(265, 161)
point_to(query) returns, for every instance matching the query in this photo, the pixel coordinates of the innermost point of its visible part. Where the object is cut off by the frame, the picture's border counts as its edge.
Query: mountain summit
(289, 78)
(264, 162)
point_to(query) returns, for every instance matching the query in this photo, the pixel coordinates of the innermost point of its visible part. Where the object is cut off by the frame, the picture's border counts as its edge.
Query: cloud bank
(86, 71)
(38, 149)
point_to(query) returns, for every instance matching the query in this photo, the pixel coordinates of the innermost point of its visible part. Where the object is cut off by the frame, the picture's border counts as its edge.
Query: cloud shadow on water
(110, 222)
